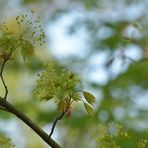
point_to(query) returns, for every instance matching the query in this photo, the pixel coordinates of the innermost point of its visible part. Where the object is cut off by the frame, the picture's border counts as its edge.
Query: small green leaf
(8, 42)
(76, 97)
(46, 98)
(89, 97)
(27, 49)
(89, 109)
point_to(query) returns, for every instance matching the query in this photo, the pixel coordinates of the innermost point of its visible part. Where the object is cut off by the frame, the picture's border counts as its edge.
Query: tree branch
(30, 123)
(4, 109)
(55, 122)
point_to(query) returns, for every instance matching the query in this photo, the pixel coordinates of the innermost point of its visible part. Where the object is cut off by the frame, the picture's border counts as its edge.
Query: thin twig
(24, 32)
(2, 69)
(55, 122)
(1, 75)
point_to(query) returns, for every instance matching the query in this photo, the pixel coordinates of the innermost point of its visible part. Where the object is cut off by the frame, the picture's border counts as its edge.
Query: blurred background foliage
(108, 48)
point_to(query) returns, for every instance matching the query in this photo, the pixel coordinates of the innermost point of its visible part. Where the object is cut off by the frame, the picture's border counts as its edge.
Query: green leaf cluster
(91, 100)
(10, 42)
(7, 41)
(27, 49)
(61, 85)
(58, 85)
(6, 142)
(109, 134)
(114, 136)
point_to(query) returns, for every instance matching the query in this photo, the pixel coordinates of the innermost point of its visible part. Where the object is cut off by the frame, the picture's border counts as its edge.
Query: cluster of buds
(3, 27)
(35, 29)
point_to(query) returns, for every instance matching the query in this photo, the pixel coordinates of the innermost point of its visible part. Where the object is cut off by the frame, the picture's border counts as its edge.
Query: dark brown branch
(55, 122)
(30, 123)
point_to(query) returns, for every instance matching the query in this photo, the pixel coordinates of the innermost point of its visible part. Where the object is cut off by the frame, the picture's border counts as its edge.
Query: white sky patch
(97, 75)
(62, 44)
(141, 100)
(97, 59)
(133, 52)
(12, 129)
(96, 70)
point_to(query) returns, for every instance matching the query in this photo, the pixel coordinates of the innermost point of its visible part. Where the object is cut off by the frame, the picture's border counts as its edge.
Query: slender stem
(2, 69)
(1, 75)
(55, 122)
(30, 123)
(24, 32)
(19, 28)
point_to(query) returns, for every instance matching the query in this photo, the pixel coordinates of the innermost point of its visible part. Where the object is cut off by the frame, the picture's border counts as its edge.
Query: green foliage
(117, 92)
(89, 109)
(89, 97)
(58, 85)
(141, 143)
(7, 41)
(6, 142)
(108, 135)
(91, 101)
(62, 87)
(27, 49)
(10, 42)
(54, 84)
(114, 136)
